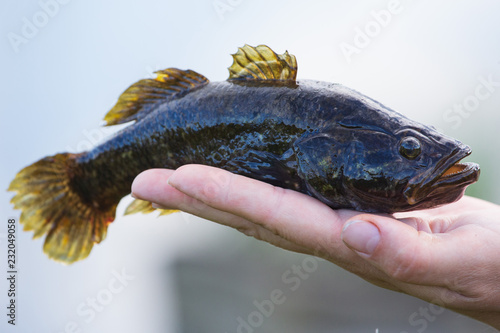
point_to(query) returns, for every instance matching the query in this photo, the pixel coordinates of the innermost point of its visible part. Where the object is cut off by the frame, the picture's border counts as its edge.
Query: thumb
(396, 248)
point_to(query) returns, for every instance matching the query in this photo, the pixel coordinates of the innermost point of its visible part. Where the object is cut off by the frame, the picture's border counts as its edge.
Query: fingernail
(361, 236)
(156, 206)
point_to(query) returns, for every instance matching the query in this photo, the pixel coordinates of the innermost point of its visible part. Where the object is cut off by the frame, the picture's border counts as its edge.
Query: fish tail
(51, 206)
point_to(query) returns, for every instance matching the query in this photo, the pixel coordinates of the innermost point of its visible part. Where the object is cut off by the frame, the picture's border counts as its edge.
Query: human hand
(447, 256)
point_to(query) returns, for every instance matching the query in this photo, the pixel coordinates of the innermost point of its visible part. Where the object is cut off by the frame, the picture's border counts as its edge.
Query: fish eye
(410, 147)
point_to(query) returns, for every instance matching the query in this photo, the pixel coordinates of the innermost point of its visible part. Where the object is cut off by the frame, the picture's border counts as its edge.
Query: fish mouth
(448, 182)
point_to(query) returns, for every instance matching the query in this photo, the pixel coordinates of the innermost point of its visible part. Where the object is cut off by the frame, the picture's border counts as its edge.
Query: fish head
(375, 170)
(446, 177)
(414, 167)
(366, 156)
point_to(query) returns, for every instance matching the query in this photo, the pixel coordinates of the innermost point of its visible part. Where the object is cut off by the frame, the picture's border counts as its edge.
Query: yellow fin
(140, 97)
(261, 63)
(49, 206)
(144, 207)
(168, 211)
(139, 206)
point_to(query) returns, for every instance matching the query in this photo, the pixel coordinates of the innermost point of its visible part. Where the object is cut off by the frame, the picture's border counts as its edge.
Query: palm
(447, 255)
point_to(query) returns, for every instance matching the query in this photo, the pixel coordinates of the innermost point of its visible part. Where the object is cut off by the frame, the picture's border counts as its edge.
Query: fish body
(319, 138)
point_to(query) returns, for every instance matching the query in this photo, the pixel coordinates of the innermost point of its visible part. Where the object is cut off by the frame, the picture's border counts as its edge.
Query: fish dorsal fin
(261, 64)
(140, 97)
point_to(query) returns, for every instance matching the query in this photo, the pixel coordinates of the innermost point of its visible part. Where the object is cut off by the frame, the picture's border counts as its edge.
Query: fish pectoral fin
(264, 166)
(145, 207)
(261, 64)
(139, 99)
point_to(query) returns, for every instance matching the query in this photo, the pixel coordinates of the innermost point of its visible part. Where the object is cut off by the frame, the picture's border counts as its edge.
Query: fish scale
(322, 139)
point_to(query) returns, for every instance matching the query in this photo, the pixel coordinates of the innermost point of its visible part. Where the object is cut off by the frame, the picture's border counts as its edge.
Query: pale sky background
(57, 86)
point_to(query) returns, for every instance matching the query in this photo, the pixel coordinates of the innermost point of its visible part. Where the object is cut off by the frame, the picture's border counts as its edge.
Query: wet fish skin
(260, 131)
(319, 138)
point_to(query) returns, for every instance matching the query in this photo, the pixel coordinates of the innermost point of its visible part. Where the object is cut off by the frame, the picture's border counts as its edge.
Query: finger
(443, 219)
(152, 185)
(460, 263)
(474, 203)
(403, 252)
(466, 203)
(198, 208)
(400, 252)
(312, 230)
(296, 217)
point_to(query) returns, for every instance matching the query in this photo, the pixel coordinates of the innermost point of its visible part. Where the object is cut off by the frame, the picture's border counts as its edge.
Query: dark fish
(322, 139)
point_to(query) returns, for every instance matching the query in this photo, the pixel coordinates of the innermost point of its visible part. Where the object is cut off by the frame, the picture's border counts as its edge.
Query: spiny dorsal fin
(140, 97)
(261, 63)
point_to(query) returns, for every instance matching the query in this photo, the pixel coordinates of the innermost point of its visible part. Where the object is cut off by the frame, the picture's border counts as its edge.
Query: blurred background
(64, 64)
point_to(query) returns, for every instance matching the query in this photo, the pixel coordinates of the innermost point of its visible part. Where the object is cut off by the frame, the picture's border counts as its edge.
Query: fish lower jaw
(447, 187)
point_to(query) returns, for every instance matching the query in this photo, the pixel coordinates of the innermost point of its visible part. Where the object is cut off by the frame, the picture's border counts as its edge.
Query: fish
(319, 138)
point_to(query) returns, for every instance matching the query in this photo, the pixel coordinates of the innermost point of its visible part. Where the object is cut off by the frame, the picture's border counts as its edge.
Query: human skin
(447, 255)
